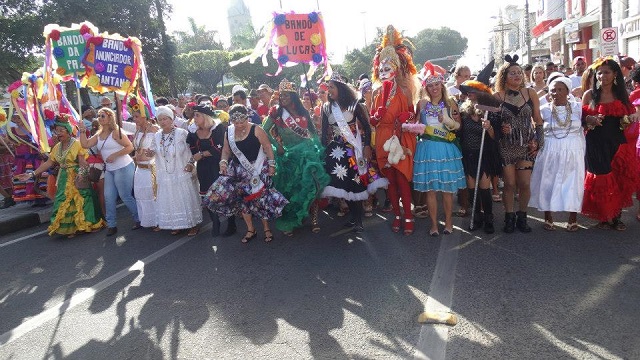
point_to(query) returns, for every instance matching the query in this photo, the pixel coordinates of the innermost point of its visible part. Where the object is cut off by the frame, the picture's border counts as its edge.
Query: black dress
(208, 168)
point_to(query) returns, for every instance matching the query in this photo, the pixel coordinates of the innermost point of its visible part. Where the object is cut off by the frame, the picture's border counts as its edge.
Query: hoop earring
(615, 81)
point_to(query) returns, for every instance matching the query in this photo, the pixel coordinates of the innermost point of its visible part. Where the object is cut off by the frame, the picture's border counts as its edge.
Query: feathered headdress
(394, 51)
(431, 74)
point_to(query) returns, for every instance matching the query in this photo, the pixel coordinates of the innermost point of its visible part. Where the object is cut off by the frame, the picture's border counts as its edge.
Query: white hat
(164, 110)
(555, 77)
(238, 88)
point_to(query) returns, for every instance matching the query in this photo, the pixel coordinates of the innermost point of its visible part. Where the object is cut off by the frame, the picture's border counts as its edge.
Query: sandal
(496, 197)
(176, 232)
(342, 212)
(434, 233)
(603, 225)
(408, 226)
(421, 212)
(572, 227)
(395, 226)
(193, 231)
(549, 226)
(156, 229)
(447, 231)
(618, 225)
(248, 237)
(267, 238)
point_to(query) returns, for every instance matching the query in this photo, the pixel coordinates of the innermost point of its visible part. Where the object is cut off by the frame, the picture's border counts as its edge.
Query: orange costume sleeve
(388, 126)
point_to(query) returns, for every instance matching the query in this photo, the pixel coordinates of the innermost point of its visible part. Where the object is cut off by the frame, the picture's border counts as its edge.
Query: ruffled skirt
(438, 167)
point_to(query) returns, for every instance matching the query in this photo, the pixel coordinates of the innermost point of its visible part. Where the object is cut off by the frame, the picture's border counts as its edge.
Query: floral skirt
(231, 194)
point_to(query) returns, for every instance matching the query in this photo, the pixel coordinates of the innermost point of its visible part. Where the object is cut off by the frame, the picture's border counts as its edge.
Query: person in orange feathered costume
(393, 105)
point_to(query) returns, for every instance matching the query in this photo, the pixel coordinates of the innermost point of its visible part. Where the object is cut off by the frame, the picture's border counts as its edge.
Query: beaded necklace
(62, 155)
(434, 110)
(166, 143)
(566, 124)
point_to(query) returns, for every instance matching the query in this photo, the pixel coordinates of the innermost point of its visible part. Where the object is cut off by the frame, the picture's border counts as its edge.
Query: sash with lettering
(290, 122)
(355, 141)
(253, 169)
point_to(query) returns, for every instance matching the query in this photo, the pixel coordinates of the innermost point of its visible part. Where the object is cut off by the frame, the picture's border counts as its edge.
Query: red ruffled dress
(613, 172)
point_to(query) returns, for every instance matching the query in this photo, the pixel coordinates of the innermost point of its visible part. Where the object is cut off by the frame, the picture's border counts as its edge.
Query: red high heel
(395, 226)
(408, 226)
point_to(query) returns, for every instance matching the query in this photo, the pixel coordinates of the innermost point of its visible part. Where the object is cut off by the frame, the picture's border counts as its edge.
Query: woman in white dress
(557, 181)
(177, 201)
(144, 182)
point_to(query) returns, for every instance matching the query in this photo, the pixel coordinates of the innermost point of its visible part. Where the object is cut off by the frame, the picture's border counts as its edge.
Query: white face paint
(386, 71)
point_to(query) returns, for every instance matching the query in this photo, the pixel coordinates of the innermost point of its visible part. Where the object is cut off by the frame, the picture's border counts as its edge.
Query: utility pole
(605, 14)
(527, 32)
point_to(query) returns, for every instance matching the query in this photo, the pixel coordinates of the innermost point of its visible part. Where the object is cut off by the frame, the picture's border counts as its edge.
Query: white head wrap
(555, 77)
(164, 110)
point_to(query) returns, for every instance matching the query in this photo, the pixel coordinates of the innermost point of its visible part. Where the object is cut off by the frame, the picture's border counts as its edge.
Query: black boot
(231, 226)
(488, 224)
(215, 223)
(477, 213)
(509, 222)
(521, 223)
(487, 207)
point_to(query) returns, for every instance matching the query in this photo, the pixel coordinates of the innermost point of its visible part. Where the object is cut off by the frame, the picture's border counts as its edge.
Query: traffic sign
(609, 41)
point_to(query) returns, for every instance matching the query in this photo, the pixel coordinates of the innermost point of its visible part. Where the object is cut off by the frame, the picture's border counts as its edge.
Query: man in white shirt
(462, 73)
(579, 66)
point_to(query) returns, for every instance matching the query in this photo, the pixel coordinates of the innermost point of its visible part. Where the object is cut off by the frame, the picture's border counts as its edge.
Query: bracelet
(271, 162)
(223, 161)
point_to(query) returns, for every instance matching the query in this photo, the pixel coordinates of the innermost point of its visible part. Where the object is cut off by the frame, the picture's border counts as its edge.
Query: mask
(386, 71)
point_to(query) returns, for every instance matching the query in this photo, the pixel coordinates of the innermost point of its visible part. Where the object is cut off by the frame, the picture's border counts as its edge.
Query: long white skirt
(143, 190)
(557, 181)
(178, 204)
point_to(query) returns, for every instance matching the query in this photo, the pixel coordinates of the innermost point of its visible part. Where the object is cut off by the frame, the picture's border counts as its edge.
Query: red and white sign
(609, 41)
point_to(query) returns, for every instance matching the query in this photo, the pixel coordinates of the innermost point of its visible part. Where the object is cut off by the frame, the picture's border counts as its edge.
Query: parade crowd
(557, 141)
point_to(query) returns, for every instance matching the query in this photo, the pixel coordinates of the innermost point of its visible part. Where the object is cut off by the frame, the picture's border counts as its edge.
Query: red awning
(544, 26)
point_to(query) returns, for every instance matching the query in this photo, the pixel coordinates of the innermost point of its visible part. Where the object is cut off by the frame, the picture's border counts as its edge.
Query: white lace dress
(177, 201)
(557, 181)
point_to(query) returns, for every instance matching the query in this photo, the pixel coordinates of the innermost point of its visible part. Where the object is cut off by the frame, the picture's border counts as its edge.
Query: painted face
(515, 75)
(386, 71)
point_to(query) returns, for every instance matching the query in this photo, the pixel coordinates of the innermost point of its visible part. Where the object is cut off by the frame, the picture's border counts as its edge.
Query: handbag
(96, 173)
(81, 180)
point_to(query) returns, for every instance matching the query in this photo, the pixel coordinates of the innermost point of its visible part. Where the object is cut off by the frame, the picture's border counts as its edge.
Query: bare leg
(251, 231)
(432, 204)
(447, 204)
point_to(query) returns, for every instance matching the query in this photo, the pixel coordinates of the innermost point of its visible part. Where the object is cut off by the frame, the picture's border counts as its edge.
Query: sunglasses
(103, 115)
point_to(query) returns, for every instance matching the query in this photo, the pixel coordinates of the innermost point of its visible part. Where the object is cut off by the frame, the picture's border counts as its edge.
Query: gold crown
(286, 85)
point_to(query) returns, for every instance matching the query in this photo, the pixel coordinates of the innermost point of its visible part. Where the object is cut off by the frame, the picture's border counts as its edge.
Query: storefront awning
(544, 26)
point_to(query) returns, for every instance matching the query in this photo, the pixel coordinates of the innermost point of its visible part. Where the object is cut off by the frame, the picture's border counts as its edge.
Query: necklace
(62, 154)
(434, 110)
(166, 142)
(561, 124)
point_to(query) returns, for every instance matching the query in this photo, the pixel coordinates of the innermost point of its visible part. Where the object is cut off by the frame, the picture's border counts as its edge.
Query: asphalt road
(332, 295)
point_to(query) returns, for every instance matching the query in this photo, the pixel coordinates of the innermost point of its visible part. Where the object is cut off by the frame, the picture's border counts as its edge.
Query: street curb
(24, 221)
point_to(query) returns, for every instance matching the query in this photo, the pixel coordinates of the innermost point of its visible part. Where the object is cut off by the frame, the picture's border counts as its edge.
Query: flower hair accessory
(512, 60)
(286, 85)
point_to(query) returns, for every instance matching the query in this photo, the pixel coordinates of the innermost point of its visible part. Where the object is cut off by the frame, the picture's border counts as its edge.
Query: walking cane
(486, 110)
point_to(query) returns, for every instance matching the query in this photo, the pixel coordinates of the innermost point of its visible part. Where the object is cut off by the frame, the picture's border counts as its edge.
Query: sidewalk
(23, 216)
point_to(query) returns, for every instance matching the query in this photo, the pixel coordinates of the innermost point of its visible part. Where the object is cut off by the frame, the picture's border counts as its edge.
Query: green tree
(437, 43)
(202, 70)
(198, 38)
(21, 31)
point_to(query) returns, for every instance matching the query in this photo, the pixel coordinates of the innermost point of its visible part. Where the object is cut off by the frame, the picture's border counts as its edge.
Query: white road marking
(23, 238)
(432, 343)
(35, 234)
(59, 309)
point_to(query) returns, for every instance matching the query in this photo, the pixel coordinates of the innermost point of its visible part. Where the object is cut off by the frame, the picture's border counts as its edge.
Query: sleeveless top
(250, 146)
(110, 146)
(522, 129)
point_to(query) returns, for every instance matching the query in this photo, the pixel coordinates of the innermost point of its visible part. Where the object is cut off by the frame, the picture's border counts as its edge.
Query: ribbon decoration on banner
(111, 63)
(293, 39)
(64, 48)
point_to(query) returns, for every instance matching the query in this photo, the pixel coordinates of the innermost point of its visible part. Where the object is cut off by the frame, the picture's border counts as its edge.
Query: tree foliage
(202, 70)
(197, 38)
(437, 43)
(21, 30)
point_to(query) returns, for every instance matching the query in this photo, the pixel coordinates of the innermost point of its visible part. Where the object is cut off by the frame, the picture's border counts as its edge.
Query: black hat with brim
(205, 109)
